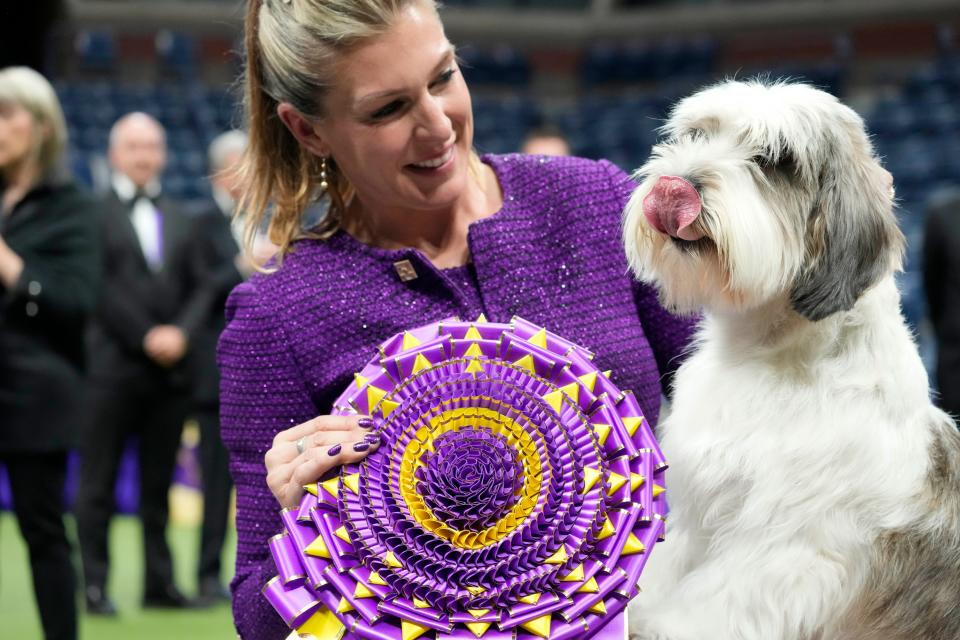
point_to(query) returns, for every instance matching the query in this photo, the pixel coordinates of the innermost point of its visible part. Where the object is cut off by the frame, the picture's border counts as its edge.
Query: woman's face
(17, 135)
(399, 123)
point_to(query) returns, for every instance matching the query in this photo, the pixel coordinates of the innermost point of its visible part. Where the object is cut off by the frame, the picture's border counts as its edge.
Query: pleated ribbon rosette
(516, 495)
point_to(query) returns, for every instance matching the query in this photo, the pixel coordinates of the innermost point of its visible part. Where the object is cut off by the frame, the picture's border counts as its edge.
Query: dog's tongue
(672, 206)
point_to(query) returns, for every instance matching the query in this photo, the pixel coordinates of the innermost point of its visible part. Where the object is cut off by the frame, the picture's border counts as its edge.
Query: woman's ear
(303, 129)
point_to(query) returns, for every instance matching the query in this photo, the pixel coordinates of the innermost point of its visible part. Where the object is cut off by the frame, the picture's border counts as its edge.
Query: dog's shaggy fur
(815, 490)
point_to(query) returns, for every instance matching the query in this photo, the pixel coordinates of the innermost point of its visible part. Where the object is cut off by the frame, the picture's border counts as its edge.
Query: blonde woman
(48, 279)
(362, 102)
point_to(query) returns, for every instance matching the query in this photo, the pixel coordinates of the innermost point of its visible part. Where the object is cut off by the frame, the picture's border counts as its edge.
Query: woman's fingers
(302, 454)
(320, 431)
(314, 464)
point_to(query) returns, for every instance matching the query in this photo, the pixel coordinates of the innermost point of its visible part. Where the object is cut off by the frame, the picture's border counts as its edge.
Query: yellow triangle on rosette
(410, 341)
(478, 628)
(376, 579)
(473, 334)
(527, 363)
(476, 590)
(374, 395)
(603, 432)
(474, 366)
(590, 477)
(481, 319)
(388, 406)
(478, 613)
(391, 560)
(363, 591)
(533, 598)
(345, 606)
(599, 608)
(576, 575)
(559, 557)
(606, 531)
(473, 351)
(539, 627)
(616, 481)
(360, 380)
(322, 625)
(590, 586)
(420, 604)
(555, 400)
(341, 533)
(311, 489)
(539, 339)
(331, 486)
(572, 390)
(411, 630)
(632, 424)
(420, 363)
(606, 374)
(636, 481)
(633, 546)
(589, 380)
(318, 548)
(657, 490)
(352, 481)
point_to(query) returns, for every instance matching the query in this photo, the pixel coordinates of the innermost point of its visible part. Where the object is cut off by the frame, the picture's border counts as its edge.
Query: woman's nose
(433, 121)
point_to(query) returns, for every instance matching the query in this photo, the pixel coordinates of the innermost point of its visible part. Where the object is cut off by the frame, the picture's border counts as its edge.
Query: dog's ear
(852, 238)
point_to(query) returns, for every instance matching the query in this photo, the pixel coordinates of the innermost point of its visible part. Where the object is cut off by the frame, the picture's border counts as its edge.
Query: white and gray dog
(815, 490)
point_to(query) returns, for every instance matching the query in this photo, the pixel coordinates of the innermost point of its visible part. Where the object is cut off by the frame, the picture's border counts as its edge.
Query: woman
(362, 101)
(48, 277)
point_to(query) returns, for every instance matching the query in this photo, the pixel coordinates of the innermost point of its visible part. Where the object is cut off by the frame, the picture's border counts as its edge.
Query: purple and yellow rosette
(516, 495)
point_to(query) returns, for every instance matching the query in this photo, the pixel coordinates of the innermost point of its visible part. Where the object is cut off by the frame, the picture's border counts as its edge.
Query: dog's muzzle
(672, 206)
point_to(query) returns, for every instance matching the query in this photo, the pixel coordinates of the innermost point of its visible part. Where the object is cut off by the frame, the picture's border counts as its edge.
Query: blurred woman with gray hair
(48, 280)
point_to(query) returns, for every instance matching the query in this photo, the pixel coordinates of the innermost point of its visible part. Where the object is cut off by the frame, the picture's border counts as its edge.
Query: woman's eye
(387, 110)
(445, 77)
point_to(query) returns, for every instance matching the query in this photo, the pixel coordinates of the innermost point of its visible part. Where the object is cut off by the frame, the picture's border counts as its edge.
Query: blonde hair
(292, 47)
(28, 89)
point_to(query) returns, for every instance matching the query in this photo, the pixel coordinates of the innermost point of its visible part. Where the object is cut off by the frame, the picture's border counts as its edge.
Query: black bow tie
(140, 193)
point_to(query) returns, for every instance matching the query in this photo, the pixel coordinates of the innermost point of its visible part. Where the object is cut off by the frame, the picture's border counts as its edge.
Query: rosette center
(471, 479)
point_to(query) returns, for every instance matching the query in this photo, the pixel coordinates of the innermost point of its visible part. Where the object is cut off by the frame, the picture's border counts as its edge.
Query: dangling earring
(323, 174)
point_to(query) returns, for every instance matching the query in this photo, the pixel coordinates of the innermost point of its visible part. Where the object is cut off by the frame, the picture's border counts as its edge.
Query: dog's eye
(761, 161)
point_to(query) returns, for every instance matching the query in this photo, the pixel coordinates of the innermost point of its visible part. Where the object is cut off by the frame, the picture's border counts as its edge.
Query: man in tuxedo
(138, 380)
(217, 238)
(941, 279)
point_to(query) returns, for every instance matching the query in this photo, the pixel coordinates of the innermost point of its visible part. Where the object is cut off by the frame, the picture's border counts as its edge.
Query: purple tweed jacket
(294, 338)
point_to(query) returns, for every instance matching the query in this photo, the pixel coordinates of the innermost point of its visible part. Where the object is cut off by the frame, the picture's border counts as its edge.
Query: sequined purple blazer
(294, 338)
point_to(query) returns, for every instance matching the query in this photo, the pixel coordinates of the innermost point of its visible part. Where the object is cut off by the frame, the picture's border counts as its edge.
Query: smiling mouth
(439, 161)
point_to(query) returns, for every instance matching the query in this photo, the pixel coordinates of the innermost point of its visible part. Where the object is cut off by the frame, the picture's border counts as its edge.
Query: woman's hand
(301, 454)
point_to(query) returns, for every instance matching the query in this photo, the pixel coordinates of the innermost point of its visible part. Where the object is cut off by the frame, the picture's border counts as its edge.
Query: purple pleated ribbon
(517, 493)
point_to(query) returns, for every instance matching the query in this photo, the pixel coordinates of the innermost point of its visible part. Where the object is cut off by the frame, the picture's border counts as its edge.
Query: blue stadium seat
(96, 51)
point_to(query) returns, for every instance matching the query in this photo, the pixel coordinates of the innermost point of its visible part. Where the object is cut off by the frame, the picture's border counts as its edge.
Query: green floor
(18, 612)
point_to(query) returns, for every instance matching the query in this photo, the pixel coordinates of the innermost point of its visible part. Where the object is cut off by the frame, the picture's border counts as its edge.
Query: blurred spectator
(216, 250)
(546, 141)
(49, 270)
(138, 374)
(941, 279)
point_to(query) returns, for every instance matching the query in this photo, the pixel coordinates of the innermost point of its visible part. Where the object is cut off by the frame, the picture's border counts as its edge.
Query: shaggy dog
(815, 490)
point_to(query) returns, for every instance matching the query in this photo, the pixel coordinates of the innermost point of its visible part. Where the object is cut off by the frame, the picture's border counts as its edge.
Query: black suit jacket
(134, 298)
(214, 251)
(941, 279)
(54, 230)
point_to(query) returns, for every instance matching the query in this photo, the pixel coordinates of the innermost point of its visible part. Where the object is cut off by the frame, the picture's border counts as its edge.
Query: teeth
(430, 164)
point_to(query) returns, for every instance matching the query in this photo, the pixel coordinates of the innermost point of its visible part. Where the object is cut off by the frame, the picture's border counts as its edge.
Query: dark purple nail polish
(372, 438)
(365, 423)
(361, 446)
(334, 450)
